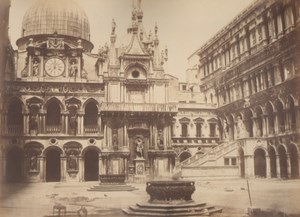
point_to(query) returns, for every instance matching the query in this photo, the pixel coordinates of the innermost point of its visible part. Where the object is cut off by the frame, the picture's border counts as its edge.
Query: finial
(156, 28)
(114, 25)
(166, 53)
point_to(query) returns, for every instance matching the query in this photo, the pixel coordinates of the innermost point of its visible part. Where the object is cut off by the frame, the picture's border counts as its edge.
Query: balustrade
(91, 129)
(53, 128)
(14, 130)
(144, 107)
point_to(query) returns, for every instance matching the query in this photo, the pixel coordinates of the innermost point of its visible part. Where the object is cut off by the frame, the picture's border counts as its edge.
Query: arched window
(91, 114)
(53, 114)
(280, 117)
(15, 118)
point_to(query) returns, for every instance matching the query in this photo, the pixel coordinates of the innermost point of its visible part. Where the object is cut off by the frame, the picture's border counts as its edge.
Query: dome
(64, 17)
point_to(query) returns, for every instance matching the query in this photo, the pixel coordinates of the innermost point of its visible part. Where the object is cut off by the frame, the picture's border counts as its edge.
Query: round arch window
(135, 74)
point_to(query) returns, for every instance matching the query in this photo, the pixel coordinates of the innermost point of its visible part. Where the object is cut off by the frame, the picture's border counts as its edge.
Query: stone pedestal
(140, 169)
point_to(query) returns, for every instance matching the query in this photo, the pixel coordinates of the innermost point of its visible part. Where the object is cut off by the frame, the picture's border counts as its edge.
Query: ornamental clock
(54, 67)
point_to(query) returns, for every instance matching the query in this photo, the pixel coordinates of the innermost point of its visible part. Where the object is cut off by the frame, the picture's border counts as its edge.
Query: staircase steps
(186, 209)
(112, 187)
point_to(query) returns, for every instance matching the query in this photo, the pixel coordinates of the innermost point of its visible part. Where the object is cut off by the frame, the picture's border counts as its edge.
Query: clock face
(54, 67)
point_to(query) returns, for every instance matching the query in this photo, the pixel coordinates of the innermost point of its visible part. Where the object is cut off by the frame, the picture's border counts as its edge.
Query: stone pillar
(42, 169)
(289, 168)
(81, 168)
(67, 124)
(63, 123)
(43, 121)
(26, 123)
(249, 166)
(99, 122)
(63, 168)
(268, 167)
(3, 168)
(278, 166)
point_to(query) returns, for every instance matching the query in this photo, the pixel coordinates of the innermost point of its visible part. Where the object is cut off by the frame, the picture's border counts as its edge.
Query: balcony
(53, 129)
(14, 130)
(91, 129)
(139, 107)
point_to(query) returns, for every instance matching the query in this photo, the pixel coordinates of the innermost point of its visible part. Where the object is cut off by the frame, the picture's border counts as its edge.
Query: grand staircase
(208, 159)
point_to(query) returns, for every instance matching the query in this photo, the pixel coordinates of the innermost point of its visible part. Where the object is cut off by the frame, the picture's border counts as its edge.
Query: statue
(72, 161)
(225, 129)
(240, 127)
(73, 120)
(33, 125)
(139, 147)
(73, 69)
(33, 162)
(113, 27)
(160, 139)
(35, 68)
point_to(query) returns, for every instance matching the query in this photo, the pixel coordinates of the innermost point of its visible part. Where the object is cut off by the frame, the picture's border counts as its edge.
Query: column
(266, 125)
(26, 123)
(63, 122)
(99, 123)
(81, 168)
(278, 166)
(268, 167)
(43, 128)
(41, 165)
(101, 165)
(67, 124)
(280, 24)
(63, 168)
(264, 29)
(289, 168)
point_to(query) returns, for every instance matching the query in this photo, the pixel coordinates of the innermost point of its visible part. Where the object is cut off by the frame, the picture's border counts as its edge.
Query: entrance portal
(91, 165)
(53, 166)
(14, 161)
(260, 163)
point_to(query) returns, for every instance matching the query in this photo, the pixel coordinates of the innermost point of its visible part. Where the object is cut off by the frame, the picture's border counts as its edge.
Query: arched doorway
(282, 161)
(53, 165)
(272, 155)
(91, 165)
(14, 162)
(242, 163)
(294, 161)
(260, 163)
(184, 155)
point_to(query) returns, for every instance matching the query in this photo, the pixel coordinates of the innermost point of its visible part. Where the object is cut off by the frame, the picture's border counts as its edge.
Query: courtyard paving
(37, 199)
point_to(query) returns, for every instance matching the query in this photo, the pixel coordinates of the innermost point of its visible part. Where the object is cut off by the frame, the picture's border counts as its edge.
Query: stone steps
(186, 209)
(112, 187)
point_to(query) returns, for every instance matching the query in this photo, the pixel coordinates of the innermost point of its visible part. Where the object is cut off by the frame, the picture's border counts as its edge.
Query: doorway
(91, 165)
(53, 166)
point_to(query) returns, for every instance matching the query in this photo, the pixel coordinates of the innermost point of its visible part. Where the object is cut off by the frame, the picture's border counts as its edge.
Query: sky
(183, 25)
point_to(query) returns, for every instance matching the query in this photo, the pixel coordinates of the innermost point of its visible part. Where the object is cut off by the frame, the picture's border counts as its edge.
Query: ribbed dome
(65, 17)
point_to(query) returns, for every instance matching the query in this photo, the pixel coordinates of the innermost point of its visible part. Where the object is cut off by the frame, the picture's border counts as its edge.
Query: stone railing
(53, 128)
(213, 154)
(14, 130)
(139, 107)
(91, 129)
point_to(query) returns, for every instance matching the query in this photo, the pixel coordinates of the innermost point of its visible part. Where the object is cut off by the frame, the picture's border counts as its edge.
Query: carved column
(41, 164)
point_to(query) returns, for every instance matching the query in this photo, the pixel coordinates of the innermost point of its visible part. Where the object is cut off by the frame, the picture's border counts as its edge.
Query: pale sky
(183, 25)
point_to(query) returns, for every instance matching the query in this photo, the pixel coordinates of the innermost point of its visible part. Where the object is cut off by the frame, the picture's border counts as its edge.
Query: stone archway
(260, 163)
(282, 162)
(272, 155)
(294, 161)
(14, 164)
(91, 165)
(242, 163)
(53, 170)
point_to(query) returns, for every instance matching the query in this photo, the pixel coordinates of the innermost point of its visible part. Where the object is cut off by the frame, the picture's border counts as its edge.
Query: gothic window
(53, 114)
(91, 114)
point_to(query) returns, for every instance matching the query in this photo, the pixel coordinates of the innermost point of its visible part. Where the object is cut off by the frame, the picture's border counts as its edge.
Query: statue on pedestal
(139, 147)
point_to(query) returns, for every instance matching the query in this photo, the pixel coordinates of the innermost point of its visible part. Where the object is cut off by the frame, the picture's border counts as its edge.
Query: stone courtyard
(38, 199)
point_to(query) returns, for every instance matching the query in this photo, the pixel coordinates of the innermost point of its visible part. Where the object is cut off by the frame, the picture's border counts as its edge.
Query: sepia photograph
(119, 108)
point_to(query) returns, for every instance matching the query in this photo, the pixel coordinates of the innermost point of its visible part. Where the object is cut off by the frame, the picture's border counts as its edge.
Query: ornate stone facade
(251, 70)
(69, 114)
